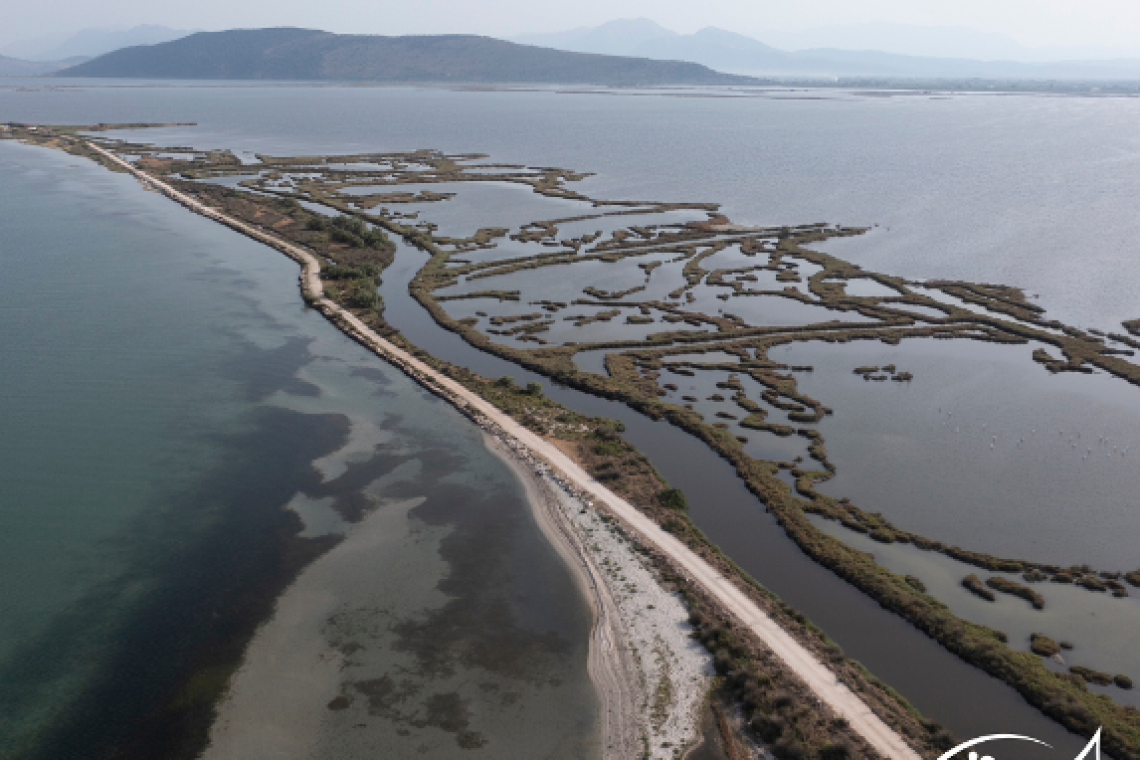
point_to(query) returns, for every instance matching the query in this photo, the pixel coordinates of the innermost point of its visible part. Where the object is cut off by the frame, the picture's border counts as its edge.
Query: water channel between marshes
(982, 207)
(944, 688)
(676, 289)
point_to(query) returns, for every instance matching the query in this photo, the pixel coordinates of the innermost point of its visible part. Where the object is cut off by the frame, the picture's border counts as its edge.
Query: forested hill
(309, 55)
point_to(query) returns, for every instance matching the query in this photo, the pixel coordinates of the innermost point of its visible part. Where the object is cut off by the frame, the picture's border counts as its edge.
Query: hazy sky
(1031, 22)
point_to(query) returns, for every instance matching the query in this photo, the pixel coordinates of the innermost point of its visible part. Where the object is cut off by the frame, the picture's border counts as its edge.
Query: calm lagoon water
(995, 189)
(166, 399)
(1034, 191)
(943, 687)
(1102, 629)
(983, 448)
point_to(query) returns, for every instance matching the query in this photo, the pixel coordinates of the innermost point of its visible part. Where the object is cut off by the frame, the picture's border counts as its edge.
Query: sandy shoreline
(650, 676)
(567, 474)
(609, 666)
(650, 684)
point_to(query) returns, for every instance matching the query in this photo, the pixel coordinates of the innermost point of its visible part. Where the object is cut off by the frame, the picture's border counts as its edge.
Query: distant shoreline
(762, 87)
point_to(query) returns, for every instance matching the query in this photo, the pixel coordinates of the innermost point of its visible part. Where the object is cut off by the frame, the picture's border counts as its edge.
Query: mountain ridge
(293, 54)
(737, 53)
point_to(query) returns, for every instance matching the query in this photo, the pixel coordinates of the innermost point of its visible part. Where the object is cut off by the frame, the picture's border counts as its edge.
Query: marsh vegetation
(688, 315)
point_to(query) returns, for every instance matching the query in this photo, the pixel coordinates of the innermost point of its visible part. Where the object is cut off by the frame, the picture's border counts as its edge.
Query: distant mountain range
(306, 54)
(48, 54)
(14, 67)
(88, 43)
(727, 51)
(935, 42)
(623, 53)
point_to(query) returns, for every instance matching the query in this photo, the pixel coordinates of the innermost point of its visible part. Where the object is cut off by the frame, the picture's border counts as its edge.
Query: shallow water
(946, 298)
(592, 361)
(1100, 626)
(956, 187)
(617, 219)
(984, 448)
(708, 357)
(867, 288)
(943, 687)
(732, 257)
(699, 392)
(563, 331)
(485, 204)
(185, 401)
(985, 203)
(560, 282)
(772, 310)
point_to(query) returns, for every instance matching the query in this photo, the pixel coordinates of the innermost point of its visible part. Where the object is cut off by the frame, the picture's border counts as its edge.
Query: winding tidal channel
(672, 307)
(939, 684)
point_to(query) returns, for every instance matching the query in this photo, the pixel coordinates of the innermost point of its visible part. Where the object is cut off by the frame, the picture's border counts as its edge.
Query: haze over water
(1030, 191)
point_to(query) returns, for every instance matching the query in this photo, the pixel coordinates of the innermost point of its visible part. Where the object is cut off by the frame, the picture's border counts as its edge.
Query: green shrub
(673, 498)
(781, 699)
(722, 661)
(1006, 586)
(768, 727)
(606, 433)
(364, 297)
(608, 449)
(942, 740)
(1043, 645)
(1092, 676)
(350, 231)
(788, 748)
(840, 750)
(362, 272)
(974, 584)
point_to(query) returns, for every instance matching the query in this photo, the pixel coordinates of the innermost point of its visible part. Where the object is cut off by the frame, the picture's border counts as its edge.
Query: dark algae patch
(173, 659)
(778, 269)
(499, 638)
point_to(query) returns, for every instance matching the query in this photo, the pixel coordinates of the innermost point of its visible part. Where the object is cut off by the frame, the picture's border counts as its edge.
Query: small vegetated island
(644, 302)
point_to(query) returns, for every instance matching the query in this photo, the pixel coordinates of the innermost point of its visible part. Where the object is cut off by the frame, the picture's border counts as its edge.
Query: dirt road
(817, 675)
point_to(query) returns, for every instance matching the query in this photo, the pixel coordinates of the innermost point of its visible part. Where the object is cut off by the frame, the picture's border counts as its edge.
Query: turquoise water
(111, 341)
(165, 396)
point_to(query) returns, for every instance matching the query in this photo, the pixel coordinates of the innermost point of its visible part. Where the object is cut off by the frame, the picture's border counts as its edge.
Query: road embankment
(548, 460)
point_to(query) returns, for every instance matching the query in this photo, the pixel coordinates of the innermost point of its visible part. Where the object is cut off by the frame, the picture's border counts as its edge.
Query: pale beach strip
(814, 673)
